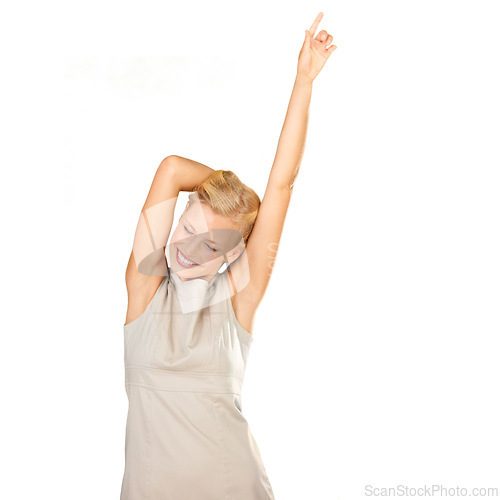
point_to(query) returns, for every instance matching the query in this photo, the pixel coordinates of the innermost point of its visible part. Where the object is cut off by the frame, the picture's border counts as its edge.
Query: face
(202, 242)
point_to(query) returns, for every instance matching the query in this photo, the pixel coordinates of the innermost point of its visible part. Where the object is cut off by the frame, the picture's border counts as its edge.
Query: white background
(375, 352)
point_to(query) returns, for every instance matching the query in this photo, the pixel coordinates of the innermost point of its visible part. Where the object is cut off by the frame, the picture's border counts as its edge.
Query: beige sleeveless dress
(186, 436)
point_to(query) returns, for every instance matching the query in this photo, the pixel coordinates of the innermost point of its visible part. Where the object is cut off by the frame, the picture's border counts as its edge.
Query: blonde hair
(226, 195)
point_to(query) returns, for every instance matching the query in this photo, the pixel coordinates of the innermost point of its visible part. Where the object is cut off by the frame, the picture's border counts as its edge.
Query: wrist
(303, 80)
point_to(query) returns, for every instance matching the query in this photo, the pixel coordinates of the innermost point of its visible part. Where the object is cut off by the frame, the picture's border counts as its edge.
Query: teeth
(185, 261)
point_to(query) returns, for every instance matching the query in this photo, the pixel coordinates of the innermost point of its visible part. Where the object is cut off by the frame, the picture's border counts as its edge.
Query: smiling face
(202, 242)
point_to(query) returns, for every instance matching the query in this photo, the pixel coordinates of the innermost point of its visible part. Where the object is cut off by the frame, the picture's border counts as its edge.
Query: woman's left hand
(314, 52)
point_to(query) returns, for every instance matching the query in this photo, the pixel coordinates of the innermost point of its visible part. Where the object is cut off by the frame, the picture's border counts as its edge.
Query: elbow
(168, 163)
(169, 160)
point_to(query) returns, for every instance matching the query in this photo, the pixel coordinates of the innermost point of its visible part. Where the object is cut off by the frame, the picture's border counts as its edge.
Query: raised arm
(263, 243)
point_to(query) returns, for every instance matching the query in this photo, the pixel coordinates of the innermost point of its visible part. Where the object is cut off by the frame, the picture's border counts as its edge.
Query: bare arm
(263, 243)
(148, 263)
(174, 174)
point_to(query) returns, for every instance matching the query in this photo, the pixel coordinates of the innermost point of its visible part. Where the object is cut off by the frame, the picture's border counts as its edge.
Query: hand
(314, 52)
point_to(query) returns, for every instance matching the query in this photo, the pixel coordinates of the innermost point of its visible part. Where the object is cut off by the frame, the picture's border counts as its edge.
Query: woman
(188, 327)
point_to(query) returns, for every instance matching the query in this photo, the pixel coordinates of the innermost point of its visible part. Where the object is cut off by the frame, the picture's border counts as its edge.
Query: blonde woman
(191, 306)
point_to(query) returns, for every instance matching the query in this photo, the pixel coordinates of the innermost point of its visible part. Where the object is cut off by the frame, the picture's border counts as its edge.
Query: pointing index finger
(314, 25)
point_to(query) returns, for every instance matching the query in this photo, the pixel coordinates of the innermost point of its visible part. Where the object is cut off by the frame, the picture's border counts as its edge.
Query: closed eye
(208, 245)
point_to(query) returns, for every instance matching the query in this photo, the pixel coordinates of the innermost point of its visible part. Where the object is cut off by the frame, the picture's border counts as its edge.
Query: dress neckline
(193, 286)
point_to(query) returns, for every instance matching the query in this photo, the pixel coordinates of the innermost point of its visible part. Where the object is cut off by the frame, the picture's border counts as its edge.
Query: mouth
(184, 261)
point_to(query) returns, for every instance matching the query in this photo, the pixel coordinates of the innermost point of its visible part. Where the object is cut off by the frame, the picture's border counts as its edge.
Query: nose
(190, 248)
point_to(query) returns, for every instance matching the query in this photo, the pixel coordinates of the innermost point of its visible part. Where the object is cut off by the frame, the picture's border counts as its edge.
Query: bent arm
(148, 264)
(148, 260)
